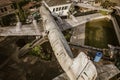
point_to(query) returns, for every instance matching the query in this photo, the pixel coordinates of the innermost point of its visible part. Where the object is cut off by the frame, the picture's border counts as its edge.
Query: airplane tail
(83, 68)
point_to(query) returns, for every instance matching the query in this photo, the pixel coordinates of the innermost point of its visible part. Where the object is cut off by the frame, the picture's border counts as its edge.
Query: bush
(37, 51)
(107, 4)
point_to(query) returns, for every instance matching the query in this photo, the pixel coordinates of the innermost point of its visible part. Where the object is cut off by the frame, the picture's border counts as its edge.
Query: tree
(107, 4)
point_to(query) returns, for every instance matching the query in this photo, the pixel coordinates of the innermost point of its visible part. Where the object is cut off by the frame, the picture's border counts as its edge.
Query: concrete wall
(116, 27)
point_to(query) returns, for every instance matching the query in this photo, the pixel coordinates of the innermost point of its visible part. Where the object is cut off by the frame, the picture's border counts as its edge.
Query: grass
(99, 33)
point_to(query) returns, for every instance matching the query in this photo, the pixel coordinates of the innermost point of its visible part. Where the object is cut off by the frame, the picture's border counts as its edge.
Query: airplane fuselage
(76, 68)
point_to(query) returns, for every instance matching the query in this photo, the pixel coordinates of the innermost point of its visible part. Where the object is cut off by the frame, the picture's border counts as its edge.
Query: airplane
(79, 68)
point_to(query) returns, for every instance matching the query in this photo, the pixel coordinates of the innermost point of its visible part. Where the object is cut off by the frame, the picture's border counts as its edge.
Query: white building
(61, 10)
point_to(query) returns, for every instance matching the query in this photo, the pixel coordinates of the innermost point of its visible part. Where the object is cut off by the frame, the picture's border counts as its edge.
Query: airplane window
(62, 8)
(66, 7)
(59, 8)
(53, 9)
(56, 9)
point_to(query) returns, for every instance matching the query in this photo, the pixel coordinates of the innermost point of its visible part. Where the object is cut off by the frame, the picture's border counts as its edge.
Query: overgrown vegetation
(107, 4)
(43, 51)
(37, 51)
(19, 5)
(20, 12)
(100, 33)
(67, 35)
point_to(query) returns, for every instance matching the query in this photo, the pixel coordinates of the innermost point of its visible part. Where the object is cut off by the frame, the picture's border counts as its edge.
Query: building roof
(116, 1)
(30, 4)
(56, 2)
(5, 2)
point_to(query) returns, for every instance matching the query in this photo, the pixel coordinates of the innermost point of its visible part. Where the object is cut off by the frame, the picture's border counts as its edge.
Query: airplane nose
(44, 12)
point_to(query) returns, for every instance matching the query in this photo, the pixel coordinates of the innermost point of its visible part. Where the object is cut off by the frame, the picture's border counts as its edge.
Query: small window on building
(59, 8)
(1, 10)
(62, 8)
(53, 9)
(5, 8)
(66, 7)
(56, 9)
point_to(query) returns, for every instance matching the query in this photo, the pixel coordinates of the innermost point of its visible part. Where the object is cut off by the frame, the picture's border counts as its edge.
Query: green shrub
(37, 51)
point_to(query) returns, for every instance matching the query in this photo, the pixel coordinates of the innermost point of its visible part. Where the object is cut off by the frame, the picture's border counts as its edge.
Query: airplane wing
(25, 30)
(89, 6)
(71, 23)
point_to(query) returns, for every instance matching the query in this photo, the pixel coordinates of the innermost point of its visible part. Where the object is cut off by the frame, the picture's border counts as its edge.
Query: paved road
(69, 23)
(25, 30)
(89, 6)
(78, 36)
(83, 19)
